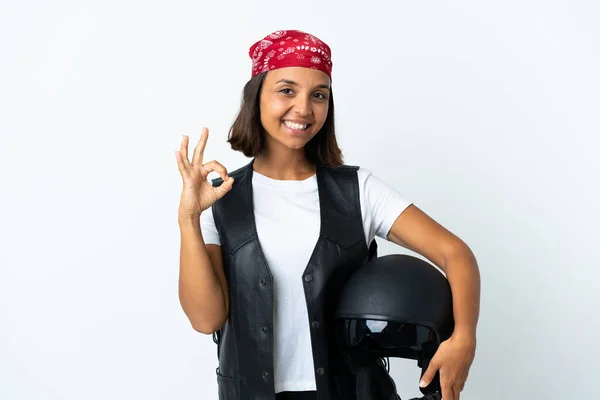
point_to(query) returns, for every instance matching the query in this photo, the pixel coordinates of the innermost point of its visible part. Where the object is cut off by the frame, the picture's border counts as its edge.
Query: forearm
(463, 275)
(200, 293)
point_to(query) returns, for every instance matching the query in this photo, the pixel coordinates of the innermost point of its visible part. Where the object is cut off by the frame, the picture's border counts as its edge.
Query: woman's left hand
(453, 360)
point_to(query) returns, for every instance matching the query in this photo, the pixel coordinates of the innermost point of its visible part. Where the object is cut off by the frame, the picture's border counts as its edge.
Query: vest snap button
(315, 324)
(264, 329)
(265, 375)
(308, 278)
(321, 371)
(263, 282)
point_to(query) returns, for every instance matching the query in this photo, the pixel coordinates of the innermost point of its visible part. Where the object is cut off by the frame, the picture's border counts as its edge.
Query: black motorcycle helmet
(394, 306)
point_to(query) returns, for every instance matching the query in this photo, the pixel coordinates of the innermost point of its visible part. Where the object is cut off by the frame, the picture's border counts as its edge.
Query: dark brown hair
(248, 135)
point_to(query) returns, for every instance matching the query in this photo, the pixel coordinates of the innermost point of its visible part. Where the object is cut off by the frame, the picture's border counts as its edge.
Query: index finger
(199, 150)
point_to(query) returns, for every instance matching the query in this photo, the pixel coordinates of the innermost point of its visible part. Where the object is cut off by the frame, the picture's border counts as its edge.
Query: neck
(284, 165)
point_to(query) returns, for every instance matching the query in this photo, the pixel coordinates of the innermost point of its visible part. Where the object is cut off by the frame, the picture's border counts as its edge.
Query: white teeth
(294, 125)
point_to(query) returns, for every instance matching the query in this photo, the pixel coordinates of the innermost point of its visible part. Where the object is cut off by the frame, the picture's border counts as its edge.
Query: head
(288, 102)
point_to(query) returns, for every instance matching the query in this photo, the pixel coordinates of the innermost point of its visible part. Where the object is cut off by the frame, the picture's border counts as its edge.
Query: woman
(265, 249)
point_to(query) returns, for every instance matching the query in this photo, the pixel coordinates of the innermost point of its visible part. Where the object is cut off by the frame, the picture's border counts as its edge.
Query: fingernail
(422, 383)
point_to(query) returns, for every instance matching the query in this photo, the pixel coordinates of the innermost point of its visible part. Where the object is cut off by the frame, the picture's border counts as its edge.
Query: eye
(320, 96)
(286, 91)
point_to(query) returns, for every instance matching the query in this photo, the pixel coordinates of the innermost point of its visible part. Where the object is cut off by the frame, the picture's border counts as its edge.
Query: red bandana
(282, 49)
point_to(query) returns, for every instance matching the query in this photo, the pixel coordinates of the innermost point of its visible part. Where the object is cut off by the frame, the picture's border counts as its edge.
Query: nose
(302, 106)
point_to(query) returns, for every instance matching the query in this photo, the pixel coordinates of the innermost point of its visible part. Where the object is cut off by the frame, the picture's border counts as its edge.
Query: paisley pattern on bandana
(293, 48)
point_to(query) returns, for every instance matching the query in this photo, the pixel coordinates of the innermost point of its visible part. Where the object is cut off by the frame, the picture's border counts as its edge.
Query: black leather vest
(245, 342)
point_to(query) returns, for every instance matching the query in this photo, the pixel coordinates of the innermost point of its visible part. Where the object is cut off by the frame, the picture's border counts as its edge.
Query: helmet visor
(385, 334)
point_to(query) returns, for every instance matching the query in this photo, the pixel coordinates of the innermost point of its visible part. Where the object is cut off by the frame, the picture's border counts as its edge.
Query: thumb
(226, 186)
(429, 374)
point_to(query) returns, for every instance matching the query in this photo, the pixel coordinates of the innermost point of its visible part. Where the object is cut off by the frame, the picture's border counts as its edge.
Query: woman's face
(294, 103)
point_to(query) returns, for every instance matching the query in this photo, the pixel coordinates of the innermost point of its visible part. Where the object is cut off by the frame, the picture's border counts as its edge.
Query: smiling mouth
(295, 126)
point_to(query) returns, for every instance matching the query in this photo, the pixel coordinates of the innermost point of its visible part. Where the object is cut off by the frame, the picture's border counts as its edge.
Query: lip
(298, 121)
(297, 131)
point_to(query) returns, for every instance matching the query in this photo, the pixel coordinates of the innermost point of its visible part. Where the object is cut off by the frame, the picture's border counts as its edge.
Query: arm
(416, 231)
(203, 291)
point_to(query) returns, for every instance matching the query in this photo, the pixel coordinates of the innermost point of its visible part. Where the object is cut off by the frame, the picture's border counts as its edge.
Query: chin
(296, 146)
(292, 144)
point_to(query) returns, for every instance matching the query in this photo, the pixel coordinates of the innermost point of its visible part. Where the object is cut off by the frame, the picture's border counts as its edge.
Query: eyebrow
(322, 86)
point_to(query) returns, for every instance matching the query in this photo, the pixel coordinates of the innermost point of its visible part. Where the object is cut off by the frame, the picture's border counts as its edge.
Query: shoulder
(364, 175)
(372, 185)
(341, 170)
(345, 167)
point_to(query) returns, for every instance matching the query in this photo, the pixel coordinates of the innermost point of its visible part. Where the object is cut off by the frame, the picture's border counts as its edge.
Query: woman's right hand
(198, 194)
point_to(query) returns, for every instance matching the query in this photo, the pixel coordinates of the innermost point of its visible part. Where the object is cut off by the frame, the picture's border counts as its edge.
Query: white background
(485, 114)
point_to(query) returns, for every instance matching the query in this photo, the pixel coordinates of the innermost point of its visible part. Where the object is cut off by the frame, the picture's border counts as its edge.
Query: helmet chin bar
(373, 382)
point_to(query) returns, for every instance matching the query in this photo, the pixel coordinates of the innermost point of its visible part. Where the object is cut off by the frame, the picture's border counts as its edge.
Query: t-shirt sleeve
(382, 203)
(209, 228)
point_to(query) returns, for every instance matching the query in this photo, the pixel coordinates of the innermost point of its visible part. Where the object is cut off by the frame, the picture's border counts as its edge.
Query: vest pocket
(228, 388)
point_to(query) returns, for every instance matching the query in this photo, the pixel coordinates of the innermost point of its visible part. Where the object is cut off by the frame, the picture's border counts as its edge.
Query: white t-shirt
(287, 215)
